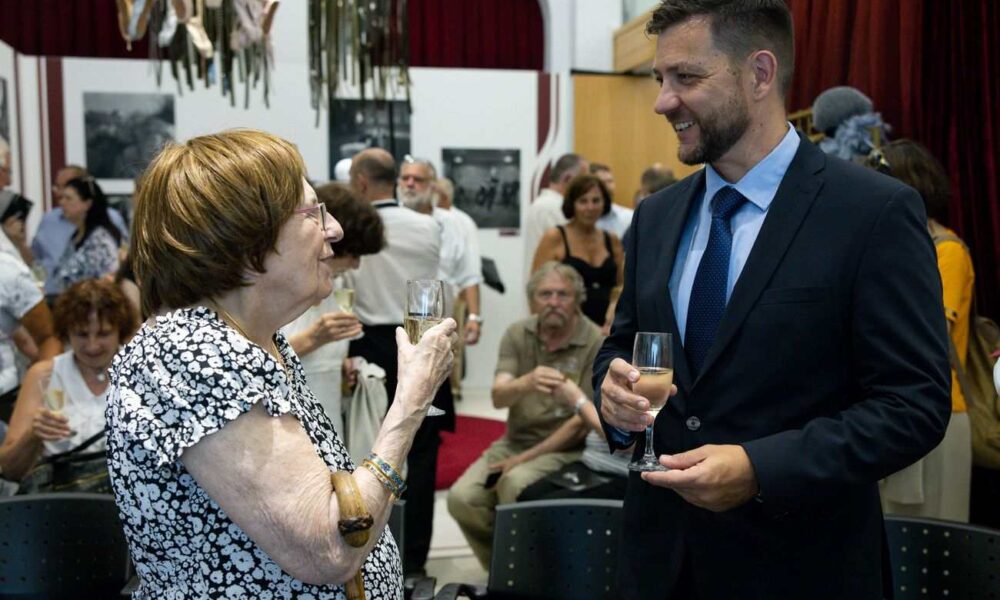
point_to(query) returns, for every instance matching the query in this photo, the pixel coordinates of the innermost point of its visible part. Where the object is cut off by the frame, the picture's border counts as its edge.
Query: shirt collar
(760, 184)
(385, 202)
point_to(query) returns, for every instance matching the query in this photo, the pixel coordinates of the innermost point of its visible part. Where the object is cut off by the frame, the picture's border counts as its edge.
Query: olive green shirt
(535, 416)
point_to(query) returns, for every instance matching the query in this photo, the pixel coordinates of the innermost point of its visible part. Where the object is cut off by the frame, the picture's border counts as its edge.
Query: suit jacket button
(693, 423)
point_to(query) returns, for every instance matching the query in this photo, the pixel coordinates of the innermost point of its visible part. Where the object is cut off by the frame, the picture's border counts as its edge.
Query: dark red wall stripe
(56, 118)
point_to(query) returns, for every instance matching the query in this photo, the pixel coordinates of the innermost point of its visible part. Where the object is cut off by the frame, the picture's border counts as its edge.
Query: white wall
(579, 34)
(205, 110)
(469, 108)
(7, 58)
(452, 108)
(594, 25)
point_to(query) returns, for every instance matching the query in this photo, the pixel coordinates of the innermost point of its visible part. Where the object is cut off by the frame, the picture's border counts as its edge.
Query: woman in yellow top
(938, 485)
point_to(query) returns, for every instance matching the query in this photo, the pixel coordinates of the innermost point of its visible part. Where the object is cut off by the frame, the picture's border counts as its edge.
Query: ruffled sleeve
(186, 378)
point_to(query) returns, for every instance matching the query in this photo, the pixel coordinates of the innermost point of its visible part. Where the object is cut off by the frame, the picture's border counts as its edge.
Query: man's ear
(764, 72)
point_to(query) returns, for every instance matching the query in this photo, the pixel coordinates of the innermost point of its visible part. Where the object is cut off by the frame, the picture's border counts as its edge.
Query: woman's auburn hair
(74, 306)
(209, 211)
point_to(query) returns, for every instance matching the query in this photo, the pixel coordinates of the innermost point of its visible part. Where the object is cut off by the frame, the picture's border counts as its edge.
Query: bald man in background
(412, 251)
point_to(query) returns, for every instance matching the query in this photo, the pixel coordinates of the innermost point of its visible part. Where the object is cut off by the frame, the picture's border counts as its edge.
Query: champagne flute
(344, 297)
(424, 309)
(53, 396)
(652, 356)
(569, 367)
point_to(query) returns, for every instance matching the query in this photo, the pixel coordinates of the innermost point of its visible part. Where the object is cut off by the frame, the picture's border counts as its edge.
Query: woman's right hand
(49, 426)
(333, 327)
(424, 367)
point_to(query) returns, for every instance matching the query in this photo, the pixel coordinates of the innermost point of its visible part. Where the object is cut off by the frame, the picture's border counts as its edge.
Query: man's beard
(552, 319)
(719, 131)
(417, 200)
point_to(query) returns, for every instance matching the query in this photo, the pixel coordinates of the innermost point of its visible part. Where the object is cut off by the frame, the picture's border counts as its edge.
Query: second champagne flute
(652, 356)
(424, 309)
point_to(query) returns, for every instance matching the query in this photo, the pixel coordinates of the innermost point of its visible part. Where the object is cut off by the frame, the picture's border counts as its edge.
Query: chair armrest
(467, 590)
(419, 588)
(130, 587)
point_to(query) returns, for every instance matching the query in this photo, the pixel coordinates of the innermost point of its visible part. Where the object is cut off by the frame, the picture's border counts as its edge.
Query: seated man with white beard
(544, 366)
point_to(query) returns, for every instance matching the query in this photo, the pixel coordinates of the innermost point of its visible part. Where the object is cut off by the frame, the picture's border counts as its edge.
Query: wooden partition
(614, 124)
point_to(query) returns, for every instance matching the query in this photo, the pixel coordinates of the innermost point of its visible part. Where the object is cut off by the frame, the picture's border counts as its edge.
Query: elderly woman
(222, 462)
(93, 317)
(595, 254)
(320, 337)
(93, 251)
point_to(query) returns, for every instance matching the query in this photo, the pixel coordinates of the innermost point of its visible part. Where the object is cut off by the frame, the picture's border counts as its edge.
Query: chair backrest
(943, 559)
(556, 549)
(60, 546)
(396, 522)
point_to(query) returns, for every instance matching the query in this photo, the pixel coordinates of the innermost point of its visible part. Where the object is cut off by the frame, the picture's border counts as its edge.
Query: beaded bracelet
(386, 473)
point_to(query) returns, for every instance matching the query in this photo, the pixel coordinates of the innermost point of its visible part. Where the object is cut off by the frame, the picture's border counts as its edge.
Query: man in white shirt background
(546, 211)
(618, 220)
(412, 251)
(461, 266)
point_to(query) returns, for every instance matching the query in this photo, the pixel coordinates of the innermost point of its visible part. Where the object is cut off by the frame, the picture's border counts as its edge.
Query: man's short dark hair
(565, 164)
(596, 168)
(376, 169)
(739, 27)
(655, 179)
(363, 230)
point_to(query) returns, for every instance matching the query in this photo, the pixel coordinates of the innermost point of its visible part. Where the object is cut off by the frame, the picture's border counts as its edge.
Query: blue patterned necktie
(708, 294)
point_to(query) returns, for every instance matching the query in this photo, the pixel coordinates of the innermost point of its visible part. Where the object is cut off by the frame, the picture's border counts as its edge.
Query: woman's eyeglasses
(316, 212)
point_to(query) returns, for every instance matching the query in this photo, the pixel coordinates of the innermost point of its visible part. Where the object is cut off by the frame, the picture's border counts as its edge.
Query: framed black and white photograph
(487, 185)
(4, 111)
(355, 126)
(125, 131)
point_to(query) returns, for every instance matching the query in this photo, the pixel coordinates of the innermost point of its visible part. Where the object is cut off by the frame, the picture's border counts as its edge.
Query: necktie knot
(726, 202)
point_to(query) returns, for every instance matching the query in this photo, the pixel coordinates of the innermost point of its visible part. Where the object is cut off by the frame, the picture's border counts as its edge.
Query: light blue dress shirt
(758, 186)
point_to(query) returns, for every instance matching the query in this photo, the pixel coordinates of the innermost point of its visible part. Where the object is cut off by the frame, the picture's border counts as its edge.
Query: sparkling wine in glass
(424, 309)
(344, 297)
(652, 356)
(53, 396)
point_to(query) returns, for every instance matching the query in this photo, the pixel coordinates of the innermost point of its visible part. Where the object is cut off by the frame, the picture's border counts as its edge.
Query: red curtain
(933, 70)
(65, 28)
(484, 34)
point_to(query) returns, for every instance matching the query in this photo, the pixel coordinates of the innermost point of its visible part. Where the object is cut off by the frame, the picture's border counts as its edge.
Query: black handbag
(72, 471)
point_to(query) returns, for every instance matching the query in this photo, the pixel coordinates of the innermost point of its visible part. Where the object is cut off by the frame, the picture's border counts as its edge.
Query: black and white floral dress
(176, 382)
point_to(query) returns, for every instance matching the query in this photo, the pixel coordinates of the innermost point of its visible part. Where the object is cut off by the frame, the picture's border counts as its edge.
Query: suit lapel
(674, 221)
(789, 208)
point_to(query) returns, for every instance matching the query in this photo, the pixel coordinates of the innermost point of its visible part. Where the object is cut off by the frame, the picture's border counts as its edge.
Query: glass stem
(649, 444)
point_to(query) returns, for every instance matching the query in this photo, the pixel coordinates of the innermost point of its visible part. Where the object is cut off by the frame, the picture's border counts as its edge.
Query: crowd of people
(212, 347)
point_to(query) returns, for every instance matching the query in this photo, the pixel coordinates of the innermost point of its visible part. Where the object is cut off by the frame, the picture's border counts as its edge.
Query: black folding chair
(942, 559)
(62, 546)
(552, 549)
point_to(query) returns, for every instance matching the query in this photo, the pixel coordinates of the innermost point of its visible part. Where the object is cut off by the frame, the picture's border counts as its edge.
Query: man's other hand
(716, 478)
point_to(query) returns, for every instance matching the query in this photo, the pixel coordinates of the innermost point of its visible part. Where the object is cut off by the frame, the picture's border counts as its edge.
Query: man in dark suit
(810, 350)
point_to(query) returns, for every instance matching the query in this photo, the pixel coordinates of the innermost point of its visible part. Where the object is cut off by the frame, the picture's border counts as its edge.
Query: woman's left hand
(335, 326)
(50, 426)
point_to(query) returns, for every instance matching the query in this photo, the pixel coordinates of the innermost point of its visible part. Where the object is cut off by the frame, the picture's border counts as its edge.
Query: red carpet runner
(460, 449)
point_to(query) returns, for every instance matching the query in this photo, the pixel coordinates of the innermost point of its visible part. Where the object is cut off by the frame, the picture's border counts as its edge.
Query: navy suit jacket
(830, 368)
